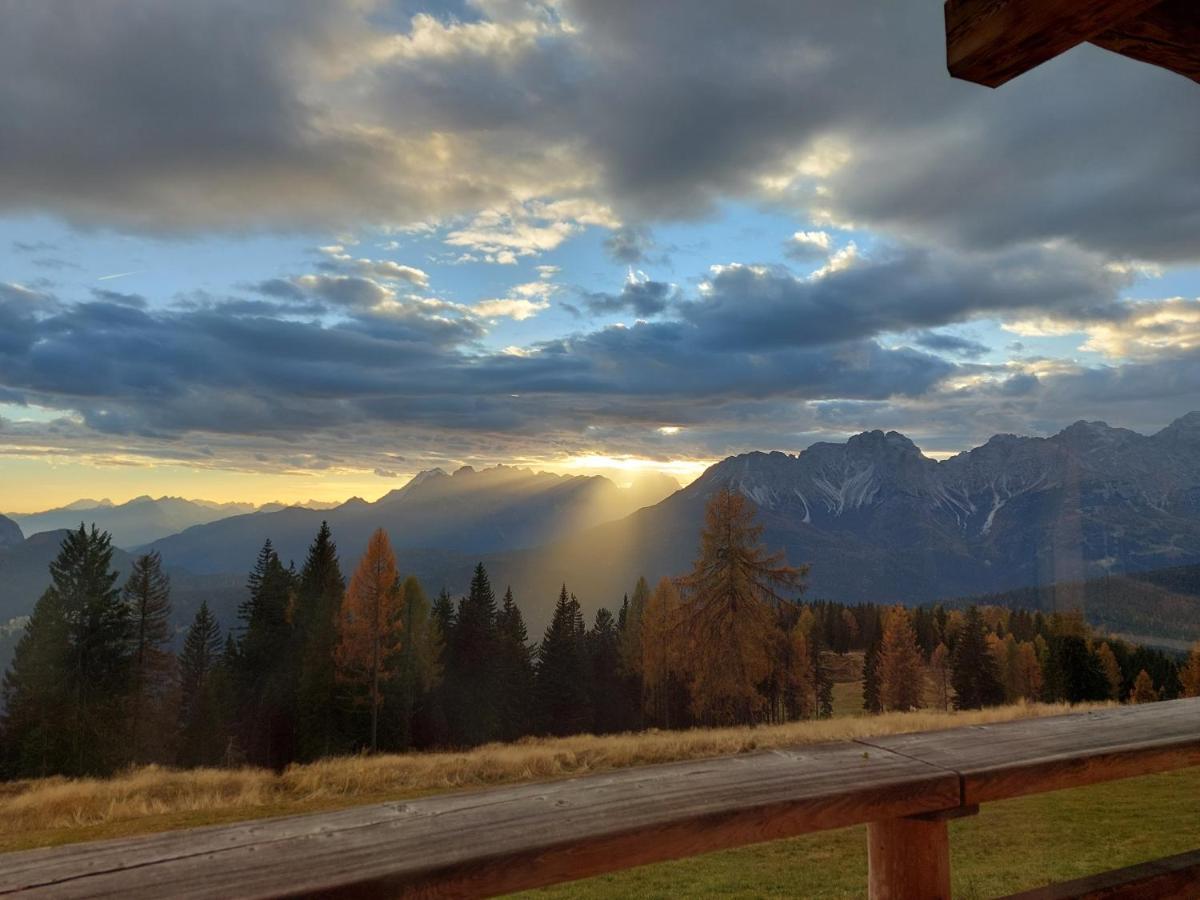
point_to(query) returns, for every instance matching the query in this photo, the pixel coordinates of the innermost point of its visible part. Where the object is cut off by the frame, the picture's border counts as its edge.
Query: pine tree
(562, 694)
(36, 691)
(822, 680)
(732, 593)
(472, 674)
(147, 596)
(369, 634)
(263, 672)
(516, 671)
(604, 675)
(418, 668)
(975, 680)
(901, 669)
(631, 652)
(201, 654)
(1189, 675)
(871, 699)
(69, 681)
(319, 595)
(1143, 689)
(1074, 673)
(435, 722)
(98, 649)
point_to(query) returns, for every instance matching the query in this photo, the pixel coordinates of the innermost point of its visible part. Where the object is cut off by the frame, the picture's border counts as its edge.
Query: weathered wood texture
(990, 42)
(1167, 35)
(1170, 878)
(1038, 755)
(491, 842)
(908, 858)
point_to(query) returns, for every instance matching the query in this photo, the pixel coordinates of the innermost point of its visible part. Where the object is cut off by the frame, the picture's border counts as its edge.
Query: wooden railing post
(909, 859)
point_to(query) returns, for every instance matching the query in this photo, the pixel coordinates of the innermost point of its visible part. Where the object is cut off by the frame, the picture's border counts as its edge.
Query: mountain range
(136, 522)
(875, 519)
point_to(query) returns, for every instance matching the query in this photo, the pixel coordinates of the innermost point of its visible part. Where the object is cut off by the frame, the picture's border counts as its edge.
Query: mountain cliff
(877, 520)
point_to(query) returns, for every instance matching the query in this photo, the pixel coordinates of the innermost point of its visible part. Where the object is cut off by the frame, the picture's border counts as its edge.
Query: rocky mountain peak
(10, 533)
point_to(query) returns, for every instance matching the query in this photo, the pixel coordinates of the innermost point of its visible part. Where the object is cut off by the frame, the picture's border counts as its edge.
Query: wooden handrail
(483, 843)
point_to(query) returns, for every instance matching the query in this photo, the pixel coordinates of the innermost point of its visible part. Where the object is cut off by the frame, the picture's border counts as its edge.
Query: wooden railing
(483, 843)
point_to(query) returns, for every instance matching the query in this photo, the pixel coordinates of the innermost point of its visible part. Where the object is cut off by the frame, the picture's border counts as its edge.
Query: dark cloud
(279, 287)
(116, 114)
(642, 297)
(629, 244)
(897, 290)
(951, 343)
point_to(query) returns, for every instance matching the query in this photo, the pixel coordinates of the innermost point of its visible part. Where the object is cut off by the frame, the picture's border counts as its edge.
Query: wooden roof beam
(1167, 36)
(990, 42)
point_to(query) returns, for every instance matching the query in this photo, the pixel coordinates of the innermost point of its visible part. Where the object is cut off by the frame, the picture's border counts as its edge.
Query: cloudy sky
(305, 248)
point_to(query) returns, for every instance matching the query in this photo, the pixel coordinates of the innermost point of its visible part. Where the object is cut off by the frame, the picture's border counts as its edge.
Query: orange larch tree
(370, 623)
(732, 596)
(901, 669)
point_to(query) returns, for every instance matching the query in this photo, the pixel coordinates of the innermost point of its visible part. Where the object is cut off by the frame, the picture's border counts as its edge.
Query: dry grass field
(52, 811)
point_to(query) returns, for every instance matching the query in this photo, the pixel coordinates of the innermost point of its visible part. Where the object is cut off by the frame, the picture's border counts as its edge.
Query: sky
(306, 248)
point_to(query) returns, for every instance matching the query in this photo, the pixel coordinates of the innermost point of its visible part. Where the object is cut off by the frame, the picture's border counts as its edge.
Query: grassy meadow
(51, 811)
(1010, 846)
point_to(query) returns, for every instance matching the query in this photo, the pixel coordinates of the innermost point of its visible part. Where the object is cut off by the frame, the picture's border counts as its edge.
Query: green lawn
(1009, 846)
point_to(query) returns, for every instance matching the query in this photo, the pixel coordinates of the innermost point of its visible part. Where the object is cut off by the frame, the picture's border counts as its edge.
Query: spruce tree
(871, 696)
(98, 650)
(515, 671)
(435, 718)
(604, 674)
(147, 596)
(36, 690)
(319, 595)
(631, 653)
(262, 674)
(73, 662)
(562, 696)
(976, 683)
(473, 715)
(201, 654)
(822, 680)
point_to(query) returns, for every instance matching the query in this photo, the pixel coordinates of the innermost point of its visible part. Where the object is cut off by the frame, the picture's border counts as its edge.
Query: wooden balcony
(483, 843)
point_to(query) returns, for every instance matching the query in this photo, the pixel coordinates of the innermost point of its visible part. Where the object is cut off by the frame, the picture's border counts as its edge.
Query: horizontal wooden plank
(1167, 36)
(990, 42)
(489, 842)
(1036, 755)
(1170, 878)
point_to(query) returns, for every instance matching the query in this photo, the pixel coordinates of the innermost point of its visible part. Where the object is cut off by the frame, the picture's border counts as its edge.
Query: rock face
(10, 533)
(879, 520)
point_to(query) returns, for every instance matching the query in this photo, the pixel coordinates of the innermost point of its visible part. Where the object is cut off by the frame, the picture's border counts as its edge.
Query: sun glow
(683, 470)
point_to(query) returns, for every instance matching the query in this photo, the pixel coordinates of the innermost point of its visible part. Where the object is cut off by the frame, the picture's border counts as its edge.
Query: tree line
(317, 665)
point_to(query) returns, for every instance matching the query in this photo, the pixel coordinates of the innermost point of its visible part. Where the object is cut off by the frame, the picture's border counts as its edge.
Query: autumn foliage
(370, 632)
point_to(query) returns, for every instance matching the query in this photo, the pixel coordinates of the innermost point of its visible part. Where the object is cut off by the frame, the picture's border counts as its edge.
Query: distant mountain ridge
(876, 519)
(137, 521)
(471, 512)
